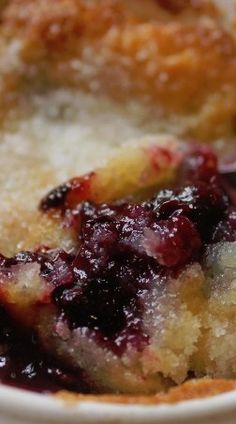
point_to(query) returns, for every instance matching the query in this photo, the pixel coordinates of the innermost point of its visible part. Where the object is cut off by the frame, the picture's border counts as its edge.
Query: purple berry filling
(122, 248)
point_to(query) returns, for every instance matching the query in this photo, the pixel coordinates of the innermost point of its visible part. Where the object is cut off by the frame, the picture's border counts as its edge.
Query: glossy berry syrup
(23, 364)
(122, 246)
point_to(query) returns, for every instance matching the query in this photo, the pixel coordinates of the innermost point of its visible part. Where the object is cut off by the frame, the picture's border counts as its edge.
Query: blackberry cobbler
(146, 295)
(121, 281)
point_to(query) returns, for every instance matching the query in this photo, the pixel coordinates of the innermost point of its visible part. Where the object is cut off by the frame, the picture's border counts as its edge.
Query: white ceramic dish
(21, 407)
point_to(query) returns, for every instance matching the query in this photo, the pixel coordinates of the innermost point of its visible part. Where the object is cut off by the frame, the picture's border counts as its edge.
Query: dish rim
(50, 409)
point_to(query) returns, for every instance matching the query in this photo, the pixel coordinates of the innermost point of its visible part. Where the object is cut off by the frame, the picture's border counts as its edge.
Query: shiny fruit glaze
(121, 247)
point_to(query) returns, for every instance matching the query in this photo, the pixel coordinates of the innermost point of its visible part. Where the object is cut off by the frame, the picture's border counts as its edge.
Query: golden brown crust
(193, 389)
(184, 69)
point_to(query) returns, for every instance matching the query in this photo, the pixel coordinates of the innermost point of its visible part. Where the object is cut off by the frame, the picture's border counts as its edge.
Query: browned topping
(122, 57)
(193, 389)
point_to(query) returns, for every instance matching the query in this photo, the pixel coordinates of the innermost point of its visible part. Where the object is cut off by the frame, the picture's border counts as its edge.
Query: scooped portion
(146, 296)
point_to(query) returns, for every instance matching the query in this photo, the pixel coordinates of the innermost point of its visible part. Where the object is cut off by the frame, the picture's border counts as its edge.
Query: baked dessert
(151, 235)
(146, 294)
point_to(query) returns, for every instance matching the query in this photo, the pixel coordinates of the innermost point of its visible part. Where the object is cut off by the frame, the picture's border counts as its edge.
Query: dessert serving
(117, 265)
(145, 295)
